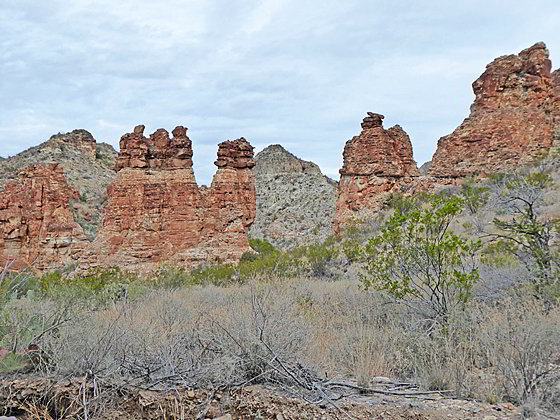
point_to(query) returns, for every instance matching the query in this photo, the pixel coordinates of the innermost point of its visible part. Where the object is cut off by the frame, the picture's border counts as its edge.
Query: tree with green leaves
(418, 259)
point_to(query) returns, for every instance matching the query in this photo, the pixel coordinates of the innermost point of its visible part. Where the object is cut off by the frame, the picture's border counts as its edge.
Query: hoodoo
(156, 212)
(377, 161)
(514, 120)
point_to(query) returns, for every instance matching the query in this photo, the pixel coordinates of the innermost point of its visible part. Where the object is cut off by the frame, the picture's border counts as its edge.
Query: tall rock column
(157, 214)
(37, 226)
(230, 202)
(376, 162)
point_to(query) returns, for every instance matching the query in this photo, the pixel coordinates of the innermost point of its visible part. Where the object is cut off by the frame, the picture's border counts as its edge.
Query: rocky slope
(88, 167)
(295, 201)
(514, 119)
(156, 212)
(376, 162)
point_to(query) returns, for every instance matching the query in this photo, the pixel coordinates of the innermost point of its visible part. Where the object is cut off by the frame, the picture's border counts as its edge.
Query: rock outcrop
(88, 167)
(156, 213)
(37, 226)
(514, 119)
(295, 201)
(157, 151)
(376, 162)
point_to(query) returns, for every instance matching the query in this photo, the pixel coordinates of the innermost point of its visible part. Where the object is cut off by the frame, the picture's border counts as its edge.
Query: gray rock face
(295, 201)
(425, 168)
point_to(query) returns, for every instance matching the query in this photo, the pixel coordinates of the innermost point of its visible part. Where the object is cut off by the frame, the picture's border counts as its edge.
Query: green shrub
(262, 246)
(317, 256)
(103, 283)
(249, 257)
(525, 233)
(169, 277)
(419, 259)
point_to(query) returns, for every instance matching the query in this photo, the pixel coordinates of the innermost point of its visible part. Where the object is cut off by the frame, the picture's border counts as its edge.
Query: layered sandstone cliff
(88, 167)
(376, 162)
(156, 213)
(295, 201)
(37, 226)
(514, 119)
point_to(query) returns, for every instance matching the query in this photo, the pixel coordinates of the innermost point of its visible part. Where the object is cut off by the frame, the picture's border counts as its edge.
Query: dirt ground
(48, 398)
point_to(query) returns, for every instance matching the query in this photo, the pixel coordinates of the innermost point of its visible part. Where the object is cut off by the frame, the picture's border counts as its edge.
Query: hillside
(295, 201)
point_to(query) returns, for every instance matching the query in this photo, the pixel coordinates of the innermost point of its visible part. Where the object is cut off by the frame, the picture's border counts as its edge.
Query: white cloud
(301, 74)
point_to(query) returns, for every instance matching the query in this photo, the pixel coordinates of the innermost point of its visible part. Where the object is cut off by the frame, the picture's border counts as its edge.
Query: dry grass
(211, 337)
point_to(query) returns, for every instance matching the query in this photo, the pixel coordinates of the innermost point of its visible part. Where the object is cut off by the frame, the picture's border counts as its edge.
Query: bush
(262, 246)
(521, 340)
(101, 283)
(417, 258)
(524, 233)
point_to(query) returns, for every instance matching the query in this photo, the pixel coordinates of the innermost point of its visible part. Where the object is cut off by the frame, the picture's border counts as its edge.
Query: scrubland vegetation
(455, 292)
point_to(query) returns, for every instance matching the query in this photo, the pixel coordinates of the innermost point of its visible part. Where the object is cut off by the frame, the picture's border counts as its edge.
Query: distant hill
(295, 201)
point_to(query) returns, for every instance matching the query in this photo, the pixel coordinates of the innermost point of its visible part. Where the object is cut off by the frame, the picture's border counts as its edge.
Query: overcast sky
(301, 73)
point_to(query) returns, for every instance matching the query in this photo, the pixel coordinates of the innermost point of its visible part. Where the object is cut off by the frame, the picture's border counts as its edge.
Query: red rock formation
(375, 162)
(37, 227)
(157, 151)
(156, 212)
(513, 120)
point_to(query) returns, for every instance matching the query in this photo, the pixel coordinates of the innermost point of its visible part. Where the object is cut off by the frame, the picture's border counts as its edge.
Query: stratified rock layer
(37, 227)
(88, 167)
(156, 213)
(376, 162)
(295, 201)
(514, 119)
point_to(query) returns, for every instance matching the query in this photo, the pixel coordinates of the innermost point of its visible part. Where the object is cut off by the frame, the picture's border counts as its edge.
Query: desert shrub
(417, 258)
(261, 246)
(89, 345)
(284, 264)
(98, 285)
(15, 284)
(204, 337)
(170, 277)
(521, 339)
(249, 257)
(523, 232)
(474, 196)
(219, 275)
(351, 331)
(402, 203)
(237, 334)
(317, 257)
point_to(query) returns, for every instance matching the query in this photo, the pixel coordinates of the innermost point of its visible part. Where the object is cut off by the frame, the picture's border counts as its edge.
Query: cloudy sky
(299, 73)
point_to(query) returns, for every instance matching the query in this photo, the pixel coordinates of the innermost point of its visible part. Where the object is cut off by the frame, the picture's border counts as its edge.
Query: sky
(299, 73)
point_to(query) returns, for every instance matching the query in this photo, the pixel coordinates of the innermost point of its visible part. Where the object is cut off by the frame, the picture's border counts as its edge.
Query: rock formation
(156, 212)
(514, 119)
(376, 162)
(37, 226)
(88, 167)
(295, 201)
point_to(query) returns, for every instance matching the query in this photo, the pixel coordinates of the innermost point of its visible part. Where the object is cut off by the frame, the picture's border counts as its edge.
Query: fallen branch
(365, 390)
